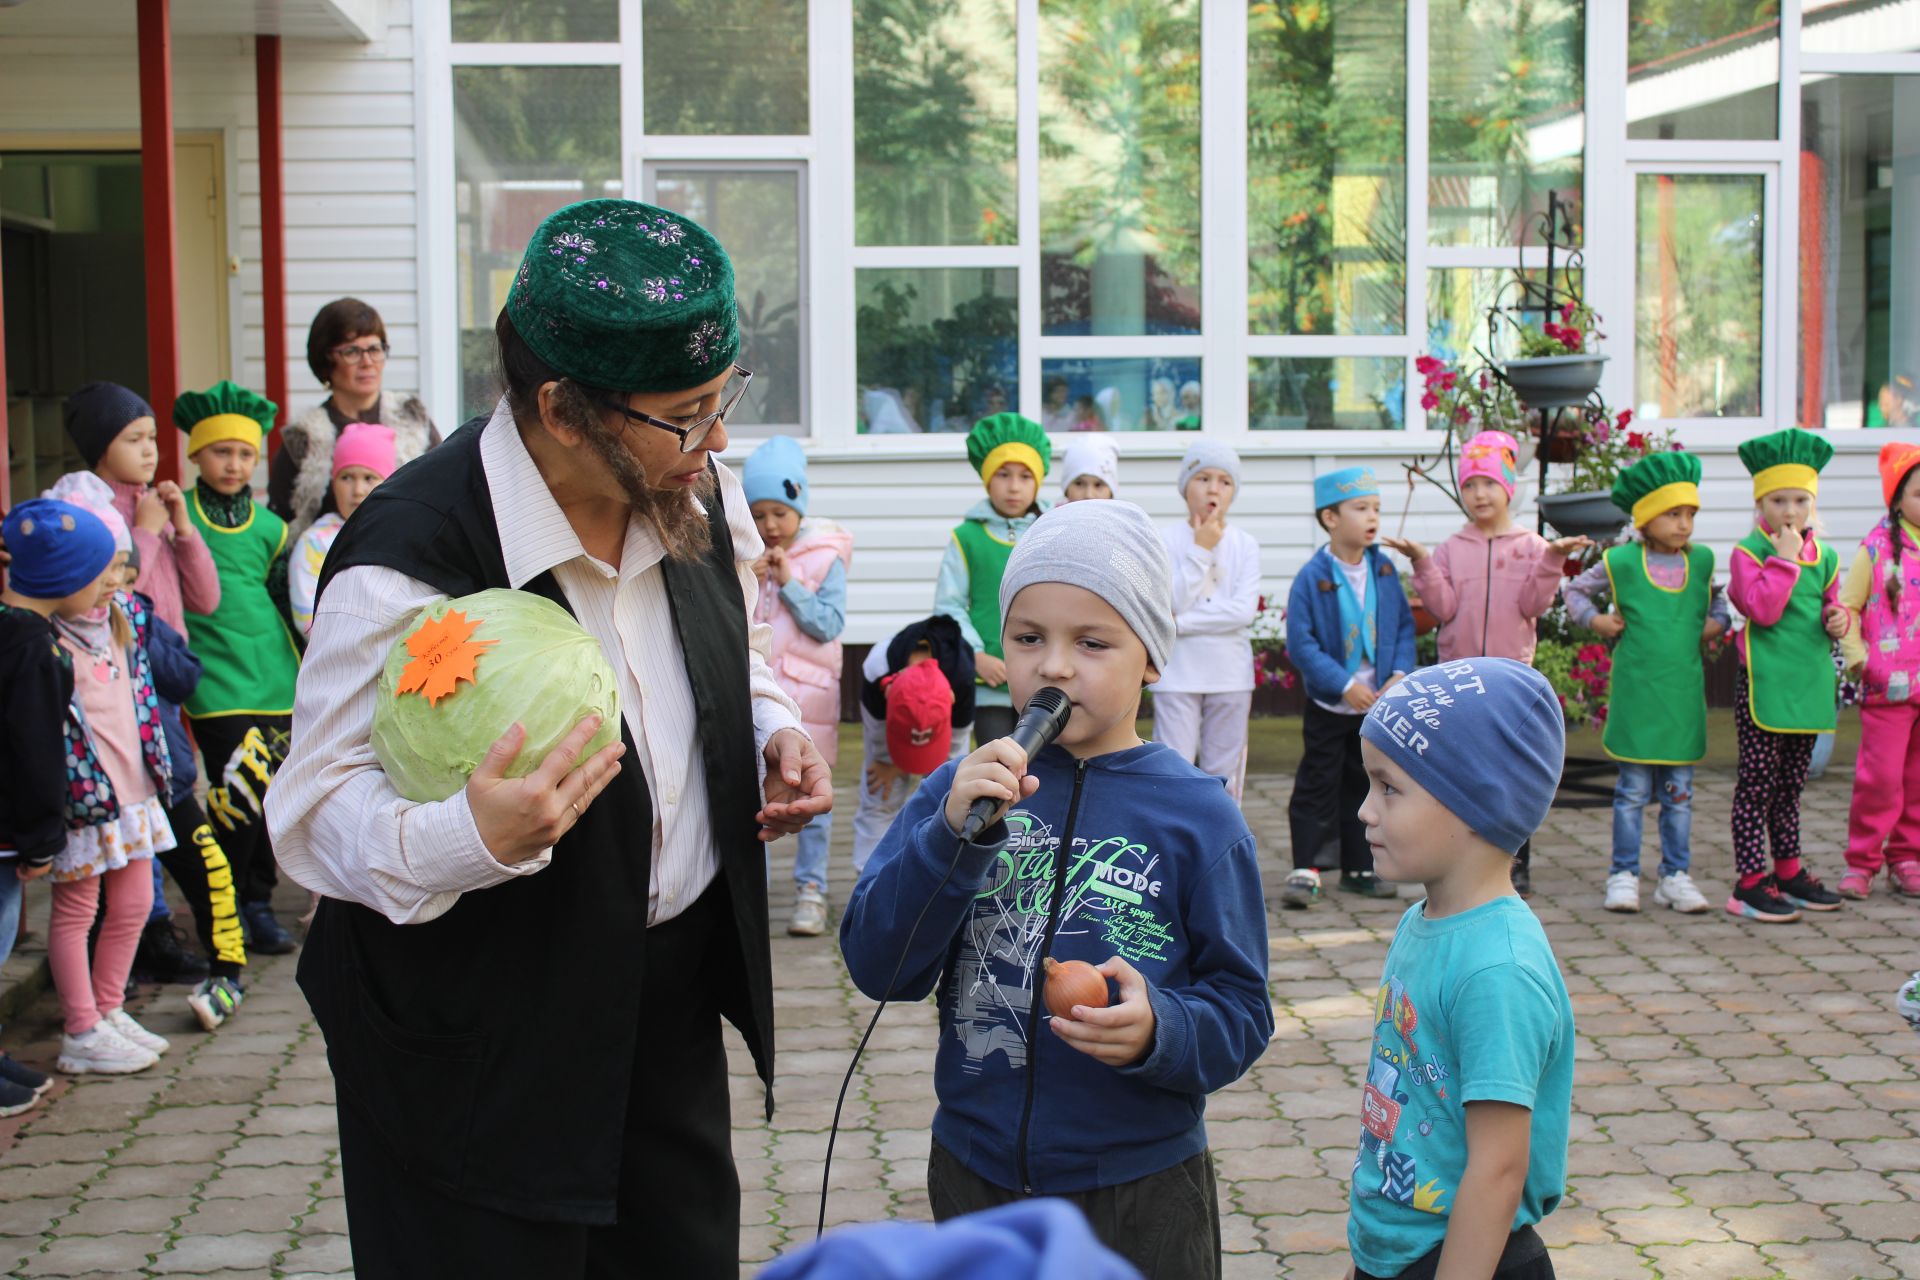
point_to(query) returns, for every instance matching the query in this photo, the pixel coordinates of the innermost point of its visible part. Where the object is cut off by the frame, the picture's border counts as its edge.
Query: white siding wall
(900, 510)
(347, 112)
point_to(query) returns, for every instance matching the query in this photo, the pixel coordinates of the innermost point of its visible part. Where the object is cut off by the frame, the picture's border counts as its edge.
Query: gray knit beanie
(1110, 549)
(1204, 453)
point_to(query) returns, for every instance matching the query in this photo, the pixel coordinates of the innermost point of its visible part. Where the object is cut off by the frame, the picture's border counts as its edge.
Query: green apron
(986, 565)
(248, 655)
(1791, 681)
(1657, 696)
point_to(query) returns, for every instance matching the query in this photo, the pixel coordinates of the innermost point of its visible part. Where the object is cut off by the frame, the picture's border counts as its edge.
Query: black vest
(493, 1047)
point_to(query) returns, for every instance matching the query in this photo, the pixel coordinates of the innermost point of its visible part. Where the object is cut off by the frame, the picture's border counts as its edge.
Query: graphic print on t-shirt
(1403, 1101)
(1111, 904)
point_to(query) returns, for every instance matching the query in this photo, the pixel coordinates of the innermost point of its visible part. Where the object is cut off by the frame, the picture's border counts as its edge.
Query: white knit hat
(1091, 455)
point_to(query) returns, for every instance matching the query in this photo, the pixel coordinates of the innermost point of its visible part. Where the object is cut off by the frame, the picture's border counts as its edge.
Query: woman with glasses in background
(347, 351)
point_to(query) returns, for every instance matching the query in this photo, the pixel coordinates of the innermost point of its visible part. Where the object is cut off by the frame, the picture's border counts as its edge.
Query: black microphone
(1045, 716)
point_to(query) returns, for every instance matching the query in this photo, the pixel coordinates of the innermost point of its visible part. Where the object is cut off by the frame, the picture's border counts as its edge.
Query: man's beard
(676, 516)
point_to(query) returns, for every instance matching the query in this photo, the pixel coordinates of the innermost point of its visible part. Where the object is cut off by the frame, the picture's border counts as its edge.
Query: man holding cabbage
(536, 750)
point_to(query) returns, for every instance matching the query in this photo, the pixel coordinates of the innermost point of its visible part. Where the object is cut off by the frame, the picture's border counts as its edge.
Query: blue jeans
(10, 887)
(1631, 795)
(810, 859)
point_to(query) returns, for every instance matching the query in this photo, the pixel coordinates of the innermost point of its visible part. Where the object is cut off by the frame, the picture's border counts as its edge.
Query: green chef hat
(1789, 459)
(1657, 483)
(621, 295)
(224, 411)
(1008, 437)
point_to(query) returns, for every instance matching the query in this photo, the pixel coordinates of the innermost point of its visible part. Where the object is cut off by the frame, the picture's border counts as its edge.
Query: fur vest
(412, 436)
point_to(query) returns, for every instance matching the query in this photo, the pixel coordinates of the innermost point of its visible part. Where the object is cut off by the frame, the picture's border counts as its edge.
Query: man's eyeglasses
(694, 434)
(376, 352)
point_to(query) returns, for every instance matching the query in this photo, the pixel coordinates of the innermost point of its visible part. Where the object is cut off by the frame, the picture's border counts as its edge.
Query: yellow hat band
(1786, 475)
(1681, 493)
(1013, 451)
(223, 426)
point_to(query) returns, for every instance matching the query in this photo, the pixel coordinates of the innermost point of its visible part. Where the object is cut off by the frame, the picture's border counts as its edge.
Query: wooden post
(156, 190)
(273, 227)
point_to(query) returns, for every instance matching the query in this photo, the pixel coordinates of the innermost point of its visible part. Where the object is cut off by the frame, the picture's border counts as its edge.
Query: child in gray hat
(1108, 851)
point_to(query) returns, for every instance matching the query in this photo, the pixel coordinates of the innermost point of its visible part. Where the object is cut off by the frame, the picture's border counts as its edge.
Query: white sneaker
(102, 1051)
(1679, 892)
(809, 912)
(122, 1021)
(1623, 891)
(1301, 890)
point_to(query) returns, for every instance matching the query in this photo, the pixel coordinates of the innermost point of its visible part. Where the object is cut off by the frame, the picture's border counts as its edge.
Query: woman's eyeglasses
(372, 352)
(694, 434)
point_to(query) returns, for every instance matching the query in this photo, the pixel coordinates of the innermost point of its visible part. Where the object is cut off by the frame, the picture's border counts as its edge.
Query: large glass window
(1120, 166)
(724, 66)
(1703, 69)
(933, 121)
(536, 21)
(1326, 167)
(1506, 117)
(527, 140)
(1457, 302)
(1344, 393)
(1119, 394)
(754, 210)
(1860, 252)
(939, 348)
(1860, 26)
(1697, 294)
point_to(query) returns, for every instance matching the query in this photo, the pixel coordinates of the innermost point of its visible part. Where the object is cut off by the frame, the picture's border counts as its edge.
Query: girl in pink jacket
(1489, 583)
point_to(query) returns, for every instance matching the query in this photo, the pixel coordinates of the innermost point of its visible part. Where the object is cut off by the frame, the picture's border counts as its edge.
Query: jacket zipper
(1039, 970)
(1486, 612)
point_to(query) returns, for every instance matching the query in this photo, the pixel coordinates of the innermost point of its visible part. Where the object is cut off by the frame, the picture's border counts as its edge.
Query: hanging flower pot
(1591, 513)
(1552, 382)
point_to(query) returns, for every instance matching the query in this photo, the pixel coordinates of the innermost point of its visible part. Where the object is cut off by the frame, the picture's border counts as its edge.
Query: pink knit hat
(1493, 454)
(365, 444)
(89, 492)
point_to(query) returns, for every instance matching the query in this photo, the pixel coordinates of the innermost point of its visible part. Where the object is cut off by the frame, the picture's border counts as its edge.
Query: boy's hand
(1787, 543)
(1209, 528)
(1359, 697)
(151, 513)
(991, 670)
(1118, 1035)
(1609, 625)
(881, 775)
(1407, 547)
(169, 493)
(1836, 620)
(997, 771)
(1712, 631)
(32, 873)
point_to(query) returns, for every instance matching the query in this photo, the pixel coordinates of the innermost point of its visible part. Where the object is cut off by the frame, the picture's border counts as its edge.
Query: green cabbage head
(542, 670)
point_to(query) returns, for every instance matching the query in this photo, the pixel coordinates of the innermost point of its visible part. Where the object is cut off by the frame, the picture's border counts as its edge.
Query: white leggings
(1207, 729)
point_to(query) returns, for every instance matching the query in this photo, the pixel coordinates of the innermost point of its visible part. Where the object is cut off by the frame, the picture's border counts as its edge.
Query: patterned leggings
(1766, 799)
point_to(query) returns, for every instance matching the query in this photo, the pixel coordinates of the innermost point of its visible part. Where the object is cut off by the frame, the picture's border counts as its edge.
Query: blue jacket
(176, 674)
(1314, 646)
(1161, 870)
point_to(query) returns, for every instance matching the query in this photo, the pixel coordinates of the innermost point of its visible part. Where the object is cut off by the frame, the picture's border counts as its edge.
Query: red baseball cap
(919, 718)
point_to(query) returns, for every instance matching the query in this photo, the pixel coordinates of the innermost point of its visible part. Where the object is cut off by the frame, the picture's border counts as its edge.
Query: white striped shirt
(341, 830)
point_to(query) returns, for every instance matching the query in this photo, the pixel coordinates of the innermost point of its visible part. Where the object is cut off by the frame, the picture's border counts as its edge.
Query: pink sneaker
(1906, 878)
(1856, 884)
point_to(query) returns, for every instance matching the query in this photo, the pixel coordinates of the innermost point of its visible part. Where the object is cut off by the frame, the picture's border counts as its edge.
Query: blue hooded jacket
(176, 674)
(1161, 870)
(1313, 625)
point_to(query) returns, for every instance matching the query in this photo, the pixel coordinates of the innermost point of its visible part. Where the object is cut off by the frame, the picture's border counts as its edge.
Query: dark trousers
(678, 1203)
(1167, 1224)
(242, 753)
(1524, 854)
(992, 722)
(1328, 790)
(199, 866)
(1524, 1258)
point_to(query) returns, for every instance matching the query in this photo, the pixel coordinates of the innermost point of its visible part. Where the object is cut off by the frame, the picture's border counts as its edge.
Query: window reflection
(1697, 295)
(938, 348)
(1121, 394)
(1343, 393)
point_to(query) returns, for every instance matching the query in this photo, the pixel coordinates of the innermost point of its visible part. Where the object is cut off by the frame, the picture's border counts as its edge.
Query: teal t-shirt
(1471, 1008)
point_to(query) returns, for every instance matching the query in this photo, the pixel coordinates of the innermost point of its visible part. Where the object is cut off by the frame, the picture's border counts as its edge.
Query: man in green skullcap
(522, 986)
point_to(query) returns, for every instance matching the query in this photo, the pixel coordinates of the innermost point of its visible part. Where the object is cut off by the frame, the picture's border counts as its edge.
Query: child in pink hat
(1489, 583)
(363, 456)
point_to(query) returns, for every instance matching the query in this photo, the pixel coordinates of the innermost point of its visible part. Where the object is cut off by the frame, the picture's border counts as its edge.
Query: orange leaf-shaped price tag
(444, 653)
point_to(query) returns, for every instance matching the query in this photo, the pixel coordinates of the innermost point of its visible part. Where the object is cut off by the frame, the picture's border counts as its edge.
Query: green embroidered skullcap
(1789, 459)
(1008, 437)
(621, 295)
(1657, 483)
(224, 411)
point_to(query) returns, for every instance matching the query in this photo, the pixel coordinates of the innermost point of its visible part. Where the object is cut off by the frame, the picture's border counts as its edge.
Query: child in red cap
(908, 729)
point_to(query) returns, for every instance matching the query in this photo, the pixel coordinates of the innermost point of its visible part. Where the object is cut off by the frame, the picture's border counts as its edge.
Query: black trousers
(200, 867)
(1328, 790)
(992, 722)
(242, 753)
(1524, 1258)
(1524, 854)
(1167, 1224)
(679, 1196)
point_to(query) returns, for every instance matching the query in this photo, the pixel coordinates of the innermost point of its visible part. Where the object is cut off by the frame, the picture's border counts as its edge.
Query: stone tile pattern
(1747, 1102)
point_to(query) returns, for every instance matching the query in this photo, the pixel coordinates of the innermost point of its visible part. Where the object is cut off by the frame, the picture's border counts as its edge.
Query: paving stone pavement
(1747, 1104)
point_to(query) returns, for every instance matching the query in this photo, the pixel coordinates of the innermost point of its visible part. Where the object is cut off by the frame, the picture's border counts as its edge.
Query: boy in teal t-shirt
(1469, 1085)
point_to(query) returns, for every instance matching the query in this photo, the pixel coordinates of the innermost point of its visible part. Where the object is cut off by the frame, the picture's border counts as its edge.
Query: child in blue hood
(1107, 850)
